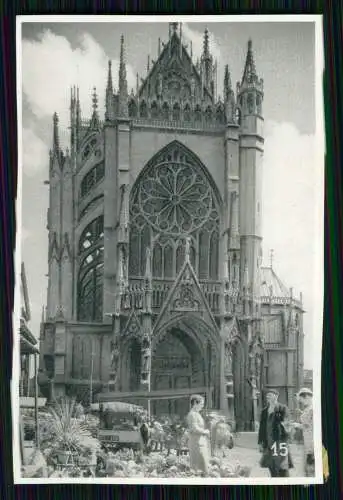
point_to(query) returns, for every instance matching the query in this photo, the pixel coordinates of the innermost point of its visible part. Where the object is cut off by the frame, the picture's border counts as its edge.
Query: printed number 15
(283, 450)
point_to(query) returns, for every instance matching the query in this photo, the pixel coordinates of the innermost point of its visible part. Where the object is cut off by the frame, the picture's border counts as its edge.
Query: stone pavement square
(251, 457)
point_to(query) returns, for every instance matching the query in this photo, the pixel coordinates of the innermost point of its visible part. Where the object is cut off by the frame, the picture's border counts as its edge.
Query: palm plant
(67, 435)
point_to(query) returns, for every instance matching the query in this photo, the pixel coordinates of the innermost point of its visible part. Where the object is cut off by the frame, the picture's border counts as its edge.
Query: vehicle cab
(119, 425)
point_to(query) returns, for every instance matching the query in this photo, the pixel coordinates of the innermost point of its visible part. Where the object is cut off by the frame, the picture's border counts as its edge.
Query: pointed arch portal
(177, 363)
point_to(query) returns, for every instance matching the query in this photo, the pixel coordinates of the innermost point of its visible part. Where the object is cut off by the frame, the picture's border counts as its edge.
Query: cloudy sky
(58, 55)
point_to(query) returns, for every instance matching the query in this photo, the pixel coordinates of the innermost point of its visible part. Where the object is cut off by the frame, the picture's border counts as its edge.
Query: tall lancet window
(91, 267)
(173, 198)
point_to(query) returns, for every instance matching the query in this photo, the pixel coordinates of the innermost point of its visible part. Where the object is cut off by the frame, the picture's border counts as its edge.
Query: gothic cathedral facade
(156, 284)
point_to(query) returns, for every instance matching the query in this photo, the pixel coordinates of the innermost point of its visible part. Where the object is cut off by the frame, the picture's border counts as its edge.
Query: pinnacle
(122, 68)
(122, 52)
(109, 76)
(250, 76)
(206, 50)
(173, 27)
(122, 80)
(56, 141)
(95, 100)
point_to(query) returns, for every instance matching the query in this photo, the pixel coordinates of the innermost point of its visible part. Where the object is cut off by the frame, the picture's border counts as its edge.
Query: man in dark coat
(273, 436)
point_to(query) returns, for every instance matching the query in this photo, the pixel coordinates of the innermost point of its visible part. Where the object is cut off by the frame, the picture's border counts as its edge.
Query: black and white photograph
(169, 263)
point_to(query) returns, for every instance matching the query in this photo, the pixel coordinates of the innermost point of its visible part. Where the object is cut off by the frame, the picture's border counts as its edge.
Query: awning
(118, 407)
(26, 333)
(26, 347)
(29, 402)
(152, 395)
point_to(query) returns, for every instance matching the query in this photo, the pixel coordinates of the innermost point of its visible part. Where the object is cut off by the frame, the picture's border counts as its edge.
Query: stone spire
(249, 75)
(78, 108)
(206, 45)
(56, 138)
(78, 118)
(95, 114)
(95, 102)
(72, 116)
(109, 88)
(250, 78)
(172, 29)
(123, 95)
(207, 64)
(250, 85)
(109, 111)
(229, 97)
(227, 83)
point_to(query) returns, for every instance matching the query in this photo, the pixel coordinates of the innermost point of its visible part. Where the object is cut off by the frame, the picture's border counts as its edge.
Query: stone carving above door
(185, 299)
(133, 328)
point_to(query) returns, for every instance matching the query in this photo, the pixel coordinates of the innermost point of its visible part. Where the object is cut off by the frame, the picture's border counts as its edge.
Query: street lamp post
(36, 401)
(91, 378)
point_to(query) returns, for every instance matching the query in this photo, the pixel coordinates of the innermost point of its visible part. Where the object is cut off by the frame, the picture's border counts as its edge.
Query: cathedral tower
(250, 98)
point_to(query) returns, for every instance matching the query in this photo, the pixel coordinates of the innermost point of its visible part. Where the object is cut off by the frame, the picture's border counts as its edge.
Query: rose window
(174, 198)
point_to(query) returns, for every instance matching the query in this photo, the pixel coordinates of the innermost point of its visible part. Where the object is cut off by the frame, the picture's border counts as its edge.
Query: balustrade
(160, 291)
(211, 290)
(284, 301)
(179, 124)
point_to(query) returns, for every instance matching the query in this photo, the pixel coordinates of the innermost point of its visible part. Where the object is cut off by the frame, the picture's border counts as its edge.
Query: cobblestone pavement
(251, 457)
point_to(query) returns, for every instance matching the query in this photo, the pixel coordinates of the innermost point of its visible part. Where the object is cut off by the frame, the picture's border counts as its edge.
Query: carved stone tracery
(173, 198)
(90, 275)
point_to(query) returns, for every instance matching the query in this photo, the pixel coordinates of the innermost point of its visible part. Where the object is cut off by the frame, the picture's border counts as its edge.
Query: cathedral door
(176, 364)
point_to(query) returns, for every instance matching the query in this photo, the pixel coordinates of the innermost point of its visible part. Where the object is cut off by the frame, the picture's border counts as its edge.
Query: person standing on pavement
(198, 436)
(305, 399)
(273, 436)
(145, 435)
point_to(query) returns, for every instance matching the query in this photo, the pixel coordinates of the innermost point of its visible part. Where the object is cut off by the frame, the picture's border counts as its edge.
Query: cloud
(289, 196)
(292, 190)
(50, 66)
(35, 153)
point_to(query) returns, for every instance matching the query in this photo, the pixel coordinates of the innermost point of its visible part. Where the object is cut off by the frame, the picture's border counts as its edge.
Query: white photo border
(319, 247)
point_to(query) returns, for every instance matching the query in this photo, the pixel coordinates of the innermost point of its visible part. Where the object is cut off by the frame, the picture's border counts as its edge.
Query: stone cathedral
(156, 286)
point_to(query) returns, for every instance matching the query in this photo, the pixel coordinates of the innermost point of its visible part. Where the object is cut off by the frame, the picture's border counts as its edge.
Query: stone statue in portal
(228, 359)
(115, 354)
(146, 359)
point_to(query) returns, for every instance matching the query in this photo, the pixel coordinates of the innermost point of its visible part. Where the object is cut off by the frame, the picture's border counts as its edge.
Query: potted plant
(67, 437)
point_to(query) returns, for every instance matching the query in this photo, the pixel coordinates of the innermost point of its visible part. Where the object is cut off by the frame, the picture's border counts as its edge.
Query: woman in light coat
(198, 436)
